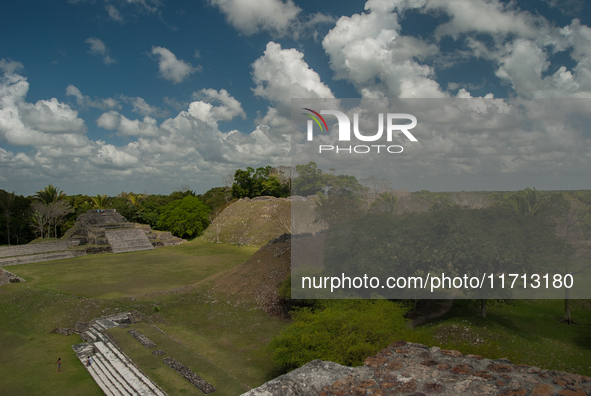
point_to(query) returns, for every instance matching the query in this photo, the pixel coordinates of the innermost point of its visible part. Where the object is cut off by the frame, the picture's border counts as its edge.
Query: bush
(341, 331)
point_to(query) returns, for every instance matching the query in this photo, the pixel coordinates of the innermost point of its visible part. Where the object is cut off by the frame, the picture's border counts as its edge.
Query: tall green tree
(6, 204)
(258, 182)
(184, 218)
(310, 179)
(49, 197)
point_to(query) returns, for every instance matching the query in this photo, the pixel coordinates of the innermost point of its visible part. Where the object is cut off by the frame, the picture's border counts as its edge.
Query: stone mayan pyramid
(96, 231)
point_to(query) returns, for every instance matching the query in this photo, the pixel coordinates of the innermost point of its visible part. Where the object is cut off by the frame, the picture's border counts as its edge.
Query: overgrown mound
(258, 278)
(251, 222)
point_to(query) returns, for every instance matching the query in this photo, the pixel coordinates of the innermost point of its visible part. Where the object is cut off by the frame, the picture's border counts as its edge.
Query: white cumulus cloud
(97, 47)
(171, 68)
(252, 16)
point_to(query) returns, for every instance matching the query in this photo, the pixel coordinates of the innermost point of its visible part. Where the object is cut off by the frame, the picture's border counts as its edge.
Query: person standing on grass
(59, 365)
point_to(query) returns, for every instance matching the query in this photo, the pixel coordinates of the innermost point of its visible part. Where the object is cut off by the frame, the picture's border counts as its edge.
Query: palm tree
(531, 203)
(100, 201)
(50, 194)
(386, 202)
(6, 203)
(135, 199)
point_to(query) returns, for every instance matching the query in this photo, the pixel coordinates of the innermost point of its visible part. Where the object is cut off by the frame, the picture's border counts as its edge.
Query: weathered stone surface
(442, 372)
(309, 380)
(375, 361)
(64, 331)
(158, 352)
(82, 326)
(543, 390)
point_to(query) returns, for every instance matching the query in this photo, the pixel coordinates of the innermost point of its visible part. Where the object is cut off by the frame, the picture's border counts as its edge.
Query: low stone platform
(112, 370)
(36, 248)
(131, 240)
(37, 258)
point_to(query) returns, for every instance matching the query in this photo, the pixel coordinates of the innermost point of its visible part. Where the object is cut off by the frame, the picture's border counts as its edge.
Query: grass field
(131, 274)
(525, 332)
(57, 294)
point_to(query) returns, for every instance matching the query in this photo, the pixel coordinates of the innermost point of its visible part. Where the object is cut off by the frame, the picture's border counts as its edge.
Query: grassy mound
(250, 223)
(258, 278)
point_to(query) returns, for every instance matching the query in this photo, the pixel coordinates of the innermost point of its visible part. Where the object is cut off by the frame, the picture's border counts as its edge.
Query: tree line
(50, 212)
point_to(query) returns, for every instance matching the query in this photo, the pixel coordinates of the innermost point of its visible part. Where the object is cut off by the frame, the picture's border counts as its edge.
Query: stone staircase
(163, 238)
(111, 369)
(128, 240)
(21, 250)
(36, 258)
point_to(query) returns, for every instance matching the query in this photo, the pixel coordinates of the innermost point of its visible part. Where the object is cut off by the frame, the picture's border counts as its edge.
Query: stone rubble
(145, 341)
(193, 378)
(405, 368)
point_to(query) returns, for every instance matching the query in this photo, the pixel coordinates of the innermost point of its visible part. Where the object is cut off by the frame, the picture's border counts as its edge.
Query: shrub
(341, 331)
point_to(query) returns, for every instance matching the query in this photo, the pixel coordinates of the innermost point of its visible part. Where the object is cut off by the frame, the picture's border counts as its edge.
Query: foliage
(311, 180)
(6, 204)
(531, 202)
(341, 331)
(50, 194)
(446, 239)
(100, 201)
(43, 214)
(186, 217)
(254, 183)
(217, 198)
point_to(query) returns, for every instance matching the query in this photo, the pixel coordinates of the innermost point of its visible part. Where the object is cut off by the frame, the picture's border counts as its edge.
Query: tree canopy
(184, 218)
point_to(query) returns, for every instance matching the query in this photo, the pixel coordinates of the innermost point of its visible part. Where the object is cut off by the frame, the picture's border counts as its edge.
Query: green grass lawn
(59, 293)
(130, 274)
(525, 332)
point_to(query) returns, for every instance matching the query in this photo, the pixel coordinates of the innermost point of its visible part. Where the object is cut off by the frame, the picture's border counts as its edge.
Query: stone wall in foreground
(417, 370)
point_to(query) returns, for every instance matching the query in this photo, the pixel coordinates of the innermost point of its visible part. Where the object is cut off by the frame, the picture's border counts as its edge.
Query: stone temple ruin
(96, 231)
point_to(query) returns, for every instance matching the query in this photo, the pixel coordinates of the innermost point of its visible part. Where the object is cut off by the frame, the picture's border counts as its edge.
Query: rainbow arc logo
(316, 119)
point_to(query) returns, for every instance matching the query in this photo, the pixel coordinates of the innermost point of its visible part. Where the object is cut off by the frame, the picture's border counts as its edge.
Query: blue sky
(104, 96)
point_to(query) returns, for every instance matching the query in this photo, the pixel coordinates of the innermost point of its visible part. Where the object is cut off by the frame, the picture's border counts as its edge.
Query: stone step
(90, 336)
(36, 258)
(124, 370)
(100, 379)
(113, 375)
(136, 371)
(22, 250)
(130, 240)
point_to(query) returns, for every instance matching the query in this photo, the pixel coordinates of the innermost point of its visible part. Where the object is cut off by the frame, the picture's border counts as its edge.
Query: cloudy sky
(104, 96)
